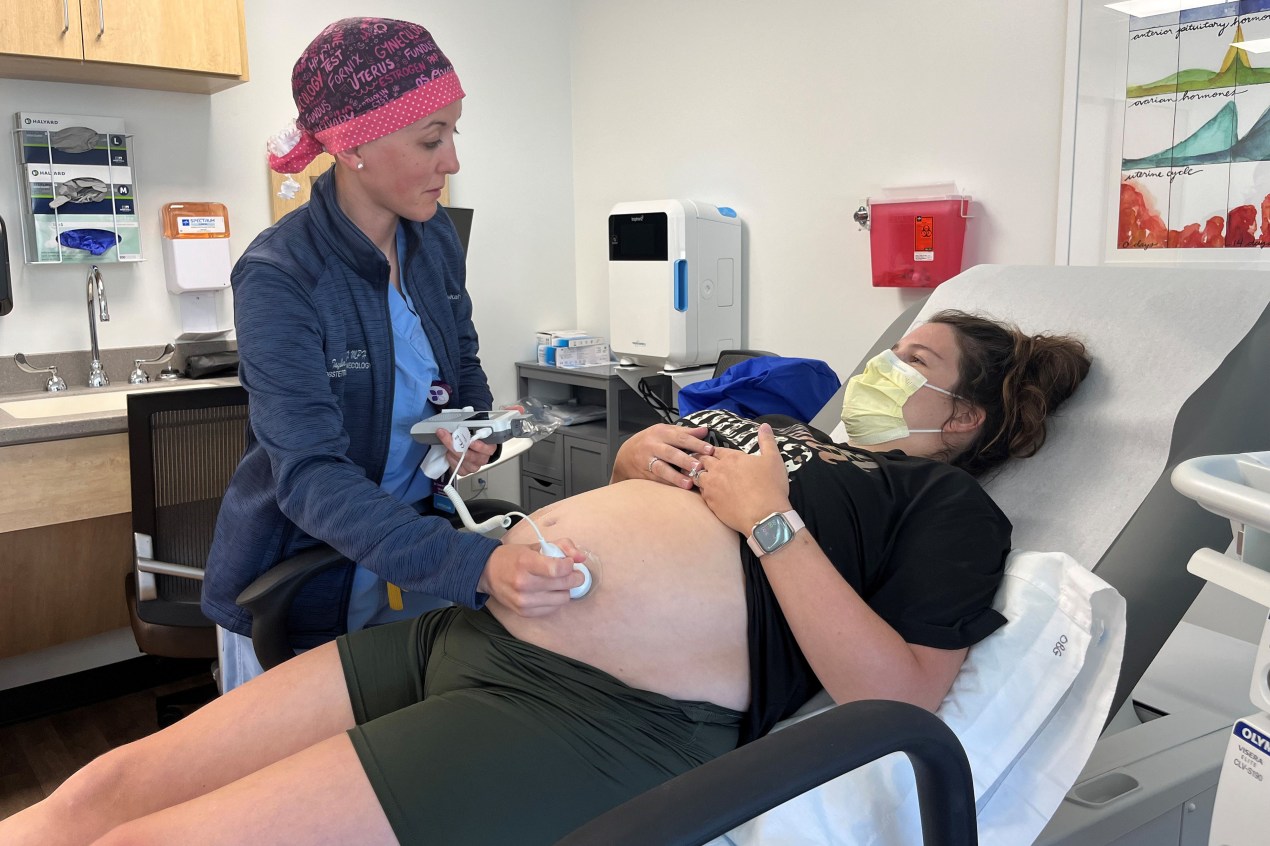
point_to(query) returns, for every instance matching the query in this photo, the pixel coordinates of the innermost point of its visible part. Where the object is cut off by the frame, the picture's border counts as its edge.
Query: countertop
(15, 430)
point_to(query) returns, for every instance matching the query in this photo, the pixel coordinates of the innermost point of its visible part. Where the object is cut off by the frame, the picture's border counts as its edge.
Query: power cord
(504, 521)
(668, 413)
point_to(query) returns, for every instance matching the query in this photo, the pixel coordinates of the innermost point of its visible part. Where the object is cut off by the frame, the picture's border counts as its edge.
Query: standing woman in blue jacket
(353, 323)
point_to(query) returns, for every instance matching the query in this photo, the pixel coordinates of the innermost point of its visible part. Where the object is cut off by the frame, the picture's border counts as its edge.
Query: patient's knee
(99, 787)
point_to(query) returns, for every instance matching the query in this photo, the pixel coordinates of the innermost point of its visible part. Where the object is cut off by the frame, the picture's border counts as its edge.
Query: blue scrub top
(416, 370)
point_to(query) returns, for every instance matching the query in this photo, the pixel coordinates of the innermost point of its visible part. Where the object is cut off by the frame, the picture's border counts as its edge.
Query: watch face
(773, 532)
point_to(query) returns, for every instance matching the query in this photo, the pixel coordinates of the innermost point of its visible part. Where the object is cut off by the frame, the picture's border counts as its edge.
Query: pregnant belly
(667, 612)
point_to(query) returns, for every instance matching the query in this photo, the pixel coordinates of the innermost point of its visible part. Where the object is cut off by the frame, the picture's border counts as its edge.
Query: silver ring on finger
(651, 462)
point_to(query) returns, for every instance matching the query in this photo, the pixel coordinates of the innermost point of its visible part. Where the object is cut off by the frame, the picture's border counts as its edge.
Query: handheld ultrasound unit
(502, 425)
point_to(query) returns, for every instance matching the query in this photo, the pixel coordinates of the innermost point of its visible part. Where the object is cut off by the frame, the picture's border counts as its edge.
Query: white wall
(793, 112)
(515, 150)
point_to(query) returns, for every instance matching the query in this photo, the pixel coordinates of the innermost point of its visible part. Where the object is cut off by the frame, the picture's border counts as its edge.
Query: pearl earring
(361, 165)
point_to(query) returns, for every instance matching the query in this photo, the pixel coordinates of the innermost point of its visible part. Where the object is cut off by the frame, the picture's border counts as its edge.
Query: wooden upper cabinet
(46, 28)
(198, 46)
(204, 36)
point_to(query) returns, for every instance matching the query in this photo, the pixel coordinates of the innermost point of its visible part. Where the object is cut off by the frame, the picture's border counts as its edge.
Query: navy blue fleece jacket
(316, 351)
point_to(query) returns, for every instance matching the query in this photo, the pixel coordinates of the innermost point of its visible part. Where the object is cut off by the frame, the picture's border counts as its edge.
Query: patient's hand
(664, 453)
(742, 489)
(528, 583)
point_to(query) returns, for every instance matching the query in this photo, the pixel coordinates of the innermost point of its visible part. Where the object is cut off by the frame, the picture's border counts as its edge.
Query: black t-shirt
(917, 539)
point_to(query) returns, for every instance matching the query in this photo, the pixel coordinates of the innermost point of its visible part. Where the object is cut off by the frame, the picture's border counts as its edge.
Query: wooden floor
(37, 755)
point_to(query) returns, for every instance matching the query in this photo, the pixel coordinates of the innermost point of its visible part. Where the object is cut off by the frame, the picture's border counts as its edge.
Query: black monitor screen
(462, 222)
(637, 237)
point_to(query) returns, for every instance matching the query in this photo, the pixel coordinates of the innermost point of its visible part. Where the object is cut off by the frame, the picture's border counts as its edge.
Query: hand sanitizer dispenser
(196, 256)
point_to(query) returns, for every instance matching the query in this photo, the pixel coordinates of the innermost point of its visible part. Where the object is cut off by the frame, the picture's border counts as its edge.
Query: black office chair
(269, 597)
(727, 358)
(183, 445)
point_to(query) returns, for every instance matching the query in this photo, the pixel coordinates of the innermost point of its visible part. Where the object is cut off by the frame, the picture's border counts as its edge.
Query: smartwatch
(774, 531)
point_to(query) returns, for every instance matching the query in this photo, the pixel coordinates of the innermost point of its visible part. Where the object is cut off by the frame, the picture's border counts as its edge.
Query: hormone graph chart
(1195, 162)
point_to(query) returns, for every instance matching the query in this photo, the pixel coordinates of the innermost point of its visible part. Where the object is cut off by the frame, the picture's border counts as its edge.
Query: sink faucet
(97, 377)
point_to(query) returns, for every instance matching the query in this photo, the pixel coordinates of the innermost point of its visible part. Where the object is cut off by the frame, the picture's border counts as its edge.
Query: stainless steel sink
(97, 402)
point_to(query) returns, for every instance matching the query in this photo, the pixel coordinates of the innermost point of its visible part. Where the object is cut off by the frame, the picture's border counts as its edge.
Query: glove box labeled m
(674, 282)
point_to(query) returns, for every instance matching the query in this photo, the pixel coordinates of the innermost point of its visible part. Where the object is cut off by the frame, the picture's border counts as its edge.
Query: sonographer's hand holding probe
(530, 582)
(588, 581)
(478, 451)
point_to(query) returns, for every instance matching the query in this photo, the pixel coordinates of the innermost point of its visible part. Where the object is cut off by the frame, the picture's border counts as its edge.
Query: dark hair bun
(1047, 370)
(1018, 380)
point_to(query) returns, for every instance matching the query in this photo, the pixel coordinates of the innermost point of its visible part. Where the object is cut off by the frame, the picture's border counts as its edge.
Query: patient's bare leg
(292, 707)
(316, 797)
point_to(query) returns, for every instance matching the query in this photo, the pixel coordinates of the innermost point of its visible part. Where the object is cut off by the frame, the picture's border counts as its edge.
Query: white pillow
(1028, 705)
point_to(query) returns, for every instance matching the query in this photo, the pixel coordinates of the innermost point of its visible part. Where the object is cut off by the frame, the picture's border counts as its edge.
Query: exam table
(1179, 371)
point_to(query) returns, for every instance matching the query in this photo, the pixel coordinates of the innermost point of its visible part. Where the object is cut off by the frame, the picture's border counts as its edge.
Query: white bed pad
(1049, 666)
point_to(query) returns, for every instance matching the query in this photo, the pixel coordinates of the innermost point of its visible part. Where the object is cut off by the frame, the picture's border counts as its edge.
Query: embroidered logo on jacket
(352, 360)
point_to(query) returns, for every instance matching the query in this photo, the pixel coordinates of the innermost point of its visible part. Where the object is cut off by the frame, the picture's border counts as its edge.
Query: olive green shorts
(469, 735)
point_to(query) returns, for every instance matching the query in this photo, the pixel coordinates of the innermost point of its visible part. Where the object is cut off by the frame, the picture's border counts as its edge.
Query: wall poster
(1195, 161)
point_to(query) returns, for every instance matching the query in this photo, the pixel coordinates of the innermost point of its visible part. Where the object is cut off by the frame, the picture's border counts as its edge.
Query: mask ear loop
(951, 417)
(946, 393)
(970, 408)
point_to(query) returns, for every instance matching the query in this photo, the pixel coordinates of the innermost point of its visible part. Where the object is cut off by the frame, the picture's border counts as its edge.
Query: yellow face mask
(873, 406)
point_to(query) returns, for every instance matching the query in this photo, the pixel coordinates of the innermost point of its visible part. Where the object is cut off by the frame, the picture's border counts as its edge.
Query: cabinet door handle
(66, 17)
(101, 13)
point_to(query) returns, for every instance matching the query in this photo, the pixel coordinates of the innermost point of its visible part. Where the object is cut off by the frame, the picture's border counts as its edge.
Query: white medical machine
(674, 282)
(1238, 487)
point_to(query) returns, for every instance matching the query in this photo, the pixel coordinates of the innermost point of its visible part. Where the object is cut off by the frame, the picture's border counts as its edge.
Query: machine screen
(465, 416)
(637, 237)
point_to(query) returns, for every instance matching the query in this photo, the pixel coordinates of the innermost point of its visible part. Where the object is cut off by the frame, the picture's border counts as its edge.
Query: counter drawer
(538, 493)
(545, 458)
(586, 465)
